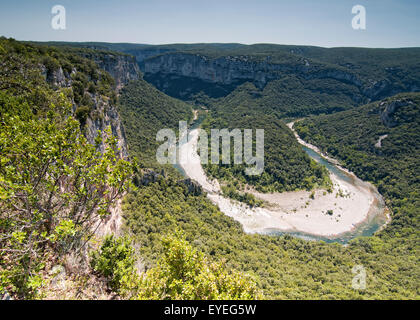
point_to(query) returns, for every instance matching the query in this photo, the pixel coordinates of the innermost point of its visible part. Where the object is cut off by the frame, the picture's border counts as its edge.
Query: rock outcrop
(231, 70)
(389, 109)
(123, 68)
(193, 186)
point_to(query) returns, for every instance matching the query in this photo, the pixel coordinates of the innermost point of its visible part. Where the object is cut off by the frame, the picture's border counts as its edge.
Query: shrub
(115, 260)
(82, 114)
(54, 186)
(185, 273)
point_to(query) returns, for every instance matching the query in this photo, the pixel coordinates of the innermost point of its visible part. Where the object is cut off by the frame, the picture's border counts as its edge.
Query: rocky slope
(123, 68)
(234, 70)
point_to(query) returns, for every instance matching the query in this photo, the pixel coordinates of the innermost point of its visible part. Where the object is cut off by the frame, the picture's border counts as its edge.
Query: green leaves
(181, 273)
(54, 185)
(115, 260)
(185, 273)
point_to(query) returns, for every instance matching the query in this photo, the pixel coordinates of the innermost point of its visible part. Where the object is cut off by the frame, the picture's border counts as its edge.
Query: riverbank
(351, 204)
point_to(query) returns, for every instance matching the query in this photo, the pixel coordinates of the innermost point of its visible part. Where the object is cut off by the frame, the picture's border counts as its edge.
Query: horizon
(212, 43)
(389, 23)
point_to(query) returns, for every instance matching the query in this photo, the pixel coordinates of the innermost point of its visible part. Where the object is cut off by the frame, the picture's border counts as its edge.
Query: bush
(82, 114)
(51, 64)
(115, 260)
(54, 186)
(185, 273)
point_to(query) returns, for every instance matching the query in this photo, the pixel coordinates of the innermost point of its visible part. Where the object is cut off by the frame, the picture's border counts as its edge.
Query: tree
(55, 188)
(115, 260)
(185, 273)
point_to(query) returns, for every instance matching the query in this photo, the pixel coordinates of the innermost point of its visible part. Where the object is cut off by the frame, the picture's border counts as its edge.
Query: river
(358, 209)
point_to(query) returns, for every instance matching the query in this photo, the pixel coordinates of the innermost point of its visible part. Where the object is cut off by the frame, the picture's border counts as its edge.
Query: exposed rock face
(123, 68)
(57, 78)
(144, 54)
(224, 70)
(104, 115)
(149, 176)
(388, 113)
(193, 186)
(231, 70)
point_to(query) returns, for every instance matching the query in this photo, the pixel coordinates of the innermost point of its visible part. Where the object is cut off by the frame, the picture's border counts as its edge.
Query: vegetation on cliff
(54, 186)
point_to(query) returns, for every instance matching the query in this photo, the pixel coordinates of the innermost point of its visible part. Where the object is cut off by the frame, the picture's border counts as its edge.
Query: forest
(55, 185)
(283, 267)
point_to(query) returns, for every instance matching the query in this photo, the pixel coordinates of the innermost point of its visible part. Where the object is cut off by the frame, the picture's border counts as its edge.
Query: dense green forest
(54, 185)
(352, 136)
(144, 111)
(283, 267)
(286, 166)
(308, 80)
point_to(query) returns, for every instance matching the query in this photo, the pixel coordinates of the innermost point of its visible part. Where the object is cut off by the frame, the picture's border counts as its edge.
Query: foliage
(391, 167)
(144, 111)
(55, 187)
(27, 70)
(33, 131)
(283, 267)
(181, 273)
(286, 166)
(185, 273)
(116, 261)
(230, 191)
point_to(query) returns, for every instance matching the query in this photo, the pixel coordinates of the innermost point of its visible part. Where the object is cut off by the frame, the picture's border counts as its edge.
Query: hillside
(323, 80)
(62, 178)
(59, 176)
(144, 111)
(286, 166)
(379, 142)
(61, 167)
(283, 267)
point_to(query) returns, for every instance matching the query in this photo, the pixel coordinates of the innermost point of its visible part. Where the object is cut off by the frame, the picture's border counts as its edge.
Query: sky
(389, 23)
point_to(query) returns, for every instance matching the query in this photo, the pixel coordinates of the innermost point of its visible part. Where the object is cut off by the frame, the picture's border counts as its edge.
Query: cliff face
(224, 70)
(231, 70)
(122, 68)
(105, 114)
(390, 109)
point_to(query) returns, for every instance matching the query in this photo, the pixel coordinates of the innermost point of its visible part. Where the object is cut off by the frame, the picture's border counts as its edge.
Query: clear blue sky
(390, 23)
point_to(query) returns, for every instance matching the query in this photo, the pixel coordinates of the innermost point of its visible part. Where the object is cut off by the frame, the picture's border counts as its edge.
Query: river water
(261, 220)
(377, 217)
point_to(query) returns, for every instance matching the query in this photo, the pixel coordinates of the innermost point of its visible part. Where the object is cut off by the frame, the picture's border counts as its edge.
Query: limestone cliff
(122, 68)
(232, 70)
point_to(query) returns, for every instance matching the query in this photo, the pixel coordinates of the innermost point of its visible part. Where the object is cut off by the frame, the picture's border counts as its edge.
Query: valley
(87, 115)
(356, 205)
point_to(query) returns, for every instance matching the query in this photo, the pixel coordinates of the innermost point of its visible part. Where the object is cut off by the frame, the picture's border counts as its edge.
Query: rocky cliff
(389, 115)
(122, 68)
(233, 70)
